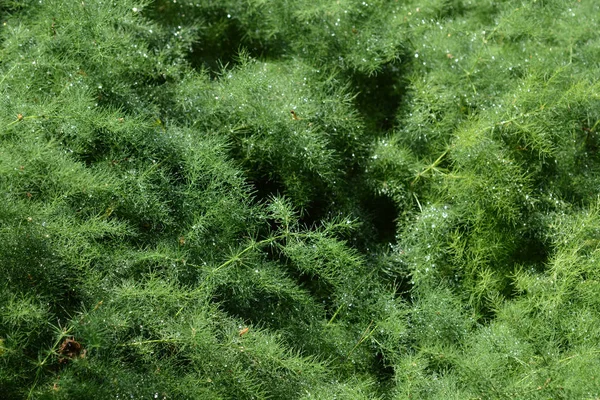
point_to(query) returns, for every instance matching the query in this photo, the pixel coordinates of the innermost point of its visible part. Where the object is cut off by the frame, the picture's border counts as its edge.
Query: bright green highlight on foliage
(297, 200)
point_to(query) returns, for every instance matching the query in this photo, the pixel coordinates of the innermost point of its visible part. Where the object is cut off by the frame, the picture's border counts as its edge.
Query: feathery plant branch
(352, 200)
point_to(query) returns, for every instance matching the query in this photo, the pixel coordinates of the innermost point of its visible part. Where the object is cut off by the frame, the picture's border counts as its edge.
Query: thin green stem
(142, 342)
(431, 167)
(335, 314)
(366, 334)
(8, 73)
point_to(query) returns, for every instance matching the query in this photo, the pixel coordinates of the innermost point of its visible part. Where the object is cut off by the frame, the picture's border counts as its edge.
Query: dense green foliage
(424, 224)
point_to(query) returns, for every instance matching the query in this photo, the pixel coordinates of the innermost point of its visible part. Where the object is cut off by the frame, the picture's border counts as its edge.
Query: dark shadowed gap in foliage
(219, 36)
(217, 48)
(379, 96)
(220, 43)
(385, 373)
(265, 188)
(404, 288)
(317, 210)
(383, 213)
(533, 253)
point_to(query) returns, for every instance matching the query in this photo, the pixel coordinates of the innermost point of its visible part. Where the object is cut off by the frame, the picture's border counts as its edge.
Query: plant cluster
(293, 200)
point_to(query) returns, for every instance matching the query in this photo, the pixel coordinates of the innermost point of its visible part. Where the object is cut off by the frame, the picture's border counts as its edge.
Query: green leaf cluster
(310, 199)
